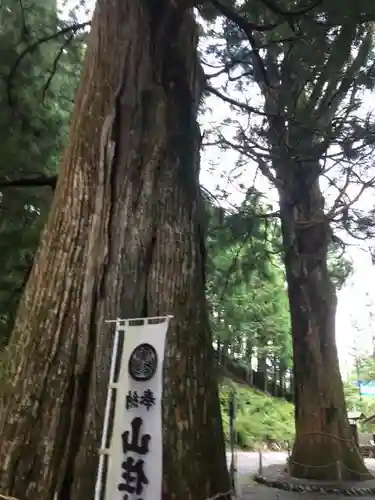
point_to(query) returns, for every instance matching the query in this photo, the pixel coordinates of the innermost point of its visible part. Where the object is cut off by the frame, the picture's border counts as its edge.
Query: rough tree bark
(123, 239)
(323, 448)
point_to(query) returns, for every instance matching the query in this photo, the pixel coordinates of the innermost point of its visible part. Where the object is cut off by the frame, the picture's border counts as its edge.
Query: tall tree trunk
(275, 376)
(323, 448)
(282, 377)
(262, 366)
(123, 239)
(225, 348)
(249, 358)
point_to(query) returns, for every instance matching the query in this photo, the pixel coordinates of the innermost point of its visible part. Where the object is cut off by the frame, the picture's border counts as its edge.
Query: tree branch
(33, 46)
(243, 23)
(40, 181)
(233, 102)
(56, 62)
(247, 28)
(289, 14)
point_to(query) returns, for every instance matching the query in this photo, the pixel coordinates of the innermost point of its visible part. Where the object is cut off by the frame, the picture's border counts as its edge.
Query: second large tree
(309, 62)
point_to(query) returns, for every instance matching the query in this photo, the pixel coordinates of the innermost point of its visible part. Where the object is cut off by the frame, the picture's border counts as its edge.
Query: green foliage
(37, 84)
(340, 267)
(364, 370)
(260, 420)
(246, 290)
(246, 286)
(355, 402)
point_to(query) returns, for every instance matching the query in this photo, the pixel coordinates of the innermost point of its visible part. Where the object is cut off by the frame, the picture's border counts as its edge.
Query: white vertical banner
(135, 453)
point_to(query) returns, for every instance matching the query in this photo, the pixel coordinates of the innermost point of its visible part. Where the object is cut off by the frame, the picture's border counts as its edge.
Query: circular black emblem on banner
(143, 362)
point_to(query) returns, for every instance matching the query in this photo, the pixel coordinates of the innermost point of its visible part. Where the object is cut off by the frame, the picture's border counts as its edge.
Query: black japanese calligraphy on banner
(133, 441)
(133, 474)
(142, 367)
(135, 466)
(134, 400)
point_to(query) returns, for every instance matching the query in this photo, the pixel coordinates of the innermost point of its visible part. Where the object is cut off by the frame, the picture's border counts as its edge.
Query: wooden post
(260, 463)
(354, 431)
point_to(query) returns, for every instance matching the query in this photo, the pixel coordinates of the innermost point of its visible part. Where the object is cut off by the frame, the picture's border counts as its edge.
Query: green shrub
(260, 420)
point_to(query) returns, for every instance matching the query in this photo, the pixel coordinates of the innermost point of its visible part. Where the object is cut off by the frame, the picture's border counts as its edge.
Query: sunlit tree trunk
(123, 239)
(282, 376)
(249, 358)
(262, 366)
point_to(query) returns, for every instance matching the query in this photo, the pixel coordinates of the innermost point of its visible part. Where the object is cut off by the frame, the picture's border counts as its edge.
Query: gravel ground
(249, 490)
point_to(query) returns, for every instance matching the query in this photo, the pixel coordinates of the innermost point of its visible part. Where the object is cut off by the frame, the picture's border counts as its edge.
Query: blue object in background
(366, 388)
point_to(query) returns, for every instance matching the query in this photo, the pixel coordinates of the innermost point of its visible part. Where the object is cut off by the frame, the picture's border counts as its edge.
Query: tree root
(310, 488)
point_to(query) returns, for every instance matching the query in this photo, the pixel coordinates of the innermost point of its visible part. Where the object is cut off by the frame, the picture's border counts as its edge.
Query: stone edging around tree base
(311, 488)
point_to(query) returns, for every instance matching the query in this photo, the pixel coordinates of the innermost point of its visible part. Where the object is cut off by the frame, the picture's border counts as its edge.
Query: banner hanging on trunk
(134, 464)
